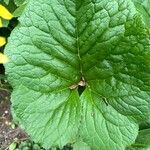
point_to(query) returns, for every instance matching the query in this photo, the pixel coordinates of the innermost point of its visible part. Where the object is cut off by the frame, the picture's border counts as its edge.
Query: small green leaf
(19, 10)
(143, 137)
(6, 2)
(145, 124)
(12, 146)
(13, 126)
(142, 142)
(20, 2)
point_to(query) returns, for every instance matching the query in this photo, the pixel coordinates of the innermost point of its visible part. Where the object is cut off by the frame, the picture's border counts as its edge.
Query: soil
(9, 132)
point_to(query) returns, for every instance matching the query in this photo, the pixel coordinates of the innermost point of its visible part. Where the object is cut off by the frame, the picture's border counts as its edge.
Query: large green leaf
(55, 115)
(102, 45)
(102, 126)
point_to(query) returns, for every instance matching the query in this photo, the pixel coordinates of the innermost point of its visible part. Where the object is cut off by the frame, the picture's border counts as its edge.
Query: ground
(9, 132)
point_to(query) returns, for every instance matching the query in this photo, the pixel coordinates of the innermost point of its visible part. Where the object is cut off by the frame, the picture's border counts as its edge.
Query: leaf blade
(102, 126)
(56, 115)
